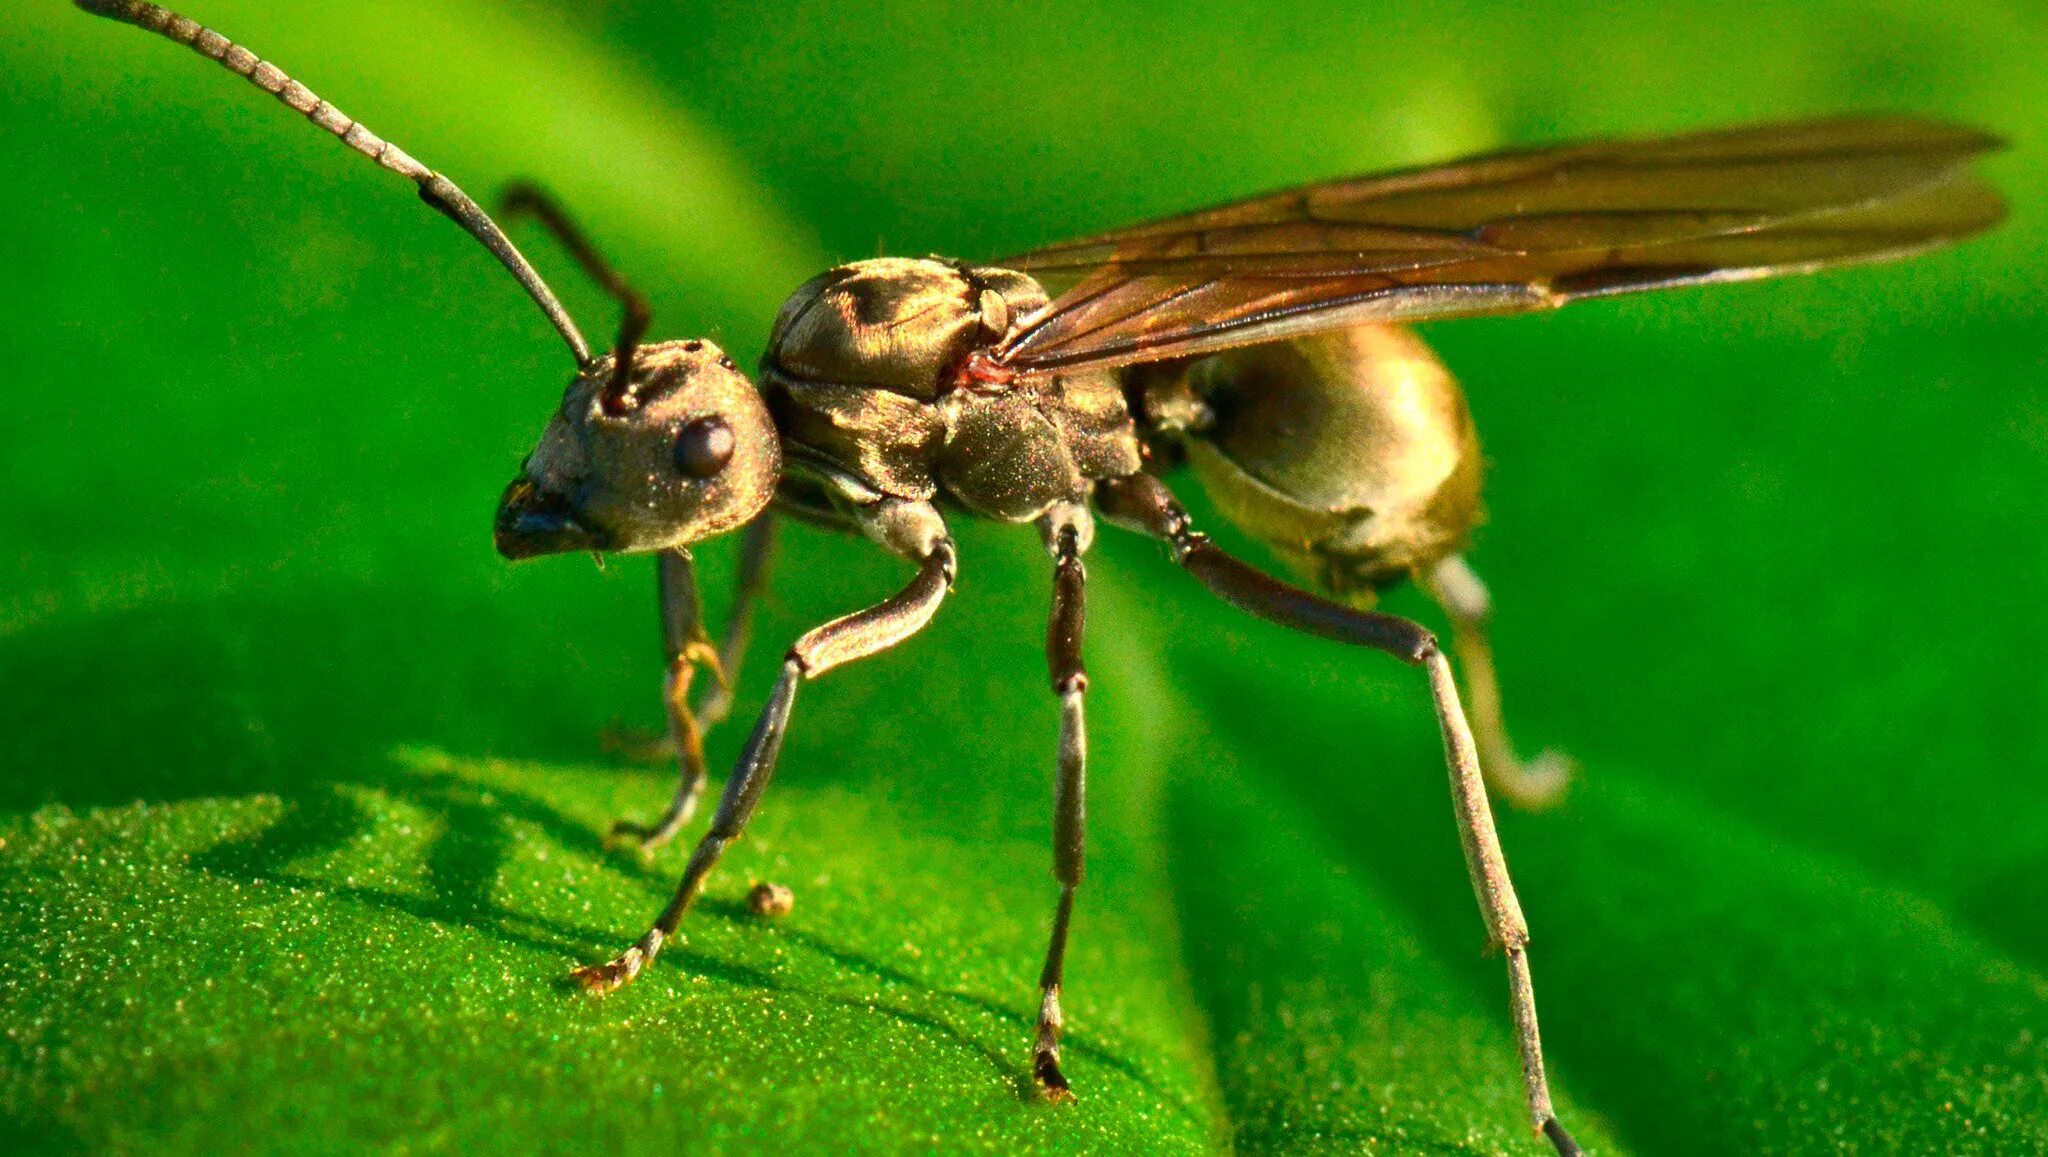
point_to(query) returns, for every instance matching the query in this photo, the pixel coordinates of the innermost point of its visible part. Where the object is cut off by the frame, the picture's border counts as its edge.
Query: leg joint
(1069, 867)
(1426, 647)
(1144, 504)
(723, 832)
(794, 657)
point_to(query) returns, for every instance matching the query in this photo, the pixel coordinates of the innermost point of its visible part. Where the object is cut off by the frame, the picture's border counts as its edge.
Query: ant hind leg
(1142, 503)
(1531, 784)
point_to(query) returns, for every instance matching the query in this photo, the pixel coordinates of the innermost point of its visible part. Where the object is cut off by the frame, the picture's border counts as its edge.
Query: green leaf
(302, 807)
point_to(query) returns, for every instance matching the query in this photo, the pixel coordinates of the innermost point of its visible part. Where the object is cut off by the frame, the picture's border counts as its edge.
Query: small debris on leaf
(770, 900)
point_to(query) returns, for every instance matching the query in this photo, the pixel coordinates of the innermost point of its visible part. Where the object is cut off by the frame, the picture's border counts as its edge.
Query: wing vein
(1506, 232)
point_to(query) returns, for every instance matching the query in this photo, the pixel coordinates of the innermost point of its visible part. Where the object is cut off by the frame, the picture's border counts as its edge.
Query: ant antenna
(523, 198)
(435, 189)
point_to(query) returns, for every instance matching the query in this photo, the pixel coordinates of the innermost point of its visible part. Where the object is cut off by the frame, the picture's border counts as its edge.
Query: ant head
(679, 450)
(653, 448)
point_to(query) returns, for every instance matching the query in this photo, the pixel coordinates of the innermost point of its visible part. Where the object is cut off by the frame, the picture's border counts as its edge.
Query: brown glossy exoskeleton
(1256, 343)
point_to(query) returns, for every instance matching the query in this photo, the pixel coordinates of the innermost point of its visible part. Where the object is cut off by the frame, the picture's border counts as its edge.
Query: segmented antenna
(435, 189)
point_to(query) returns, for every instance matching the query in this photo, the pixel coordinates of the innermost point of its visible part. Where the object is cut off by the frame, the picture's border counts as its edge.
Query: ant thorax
(866, 375)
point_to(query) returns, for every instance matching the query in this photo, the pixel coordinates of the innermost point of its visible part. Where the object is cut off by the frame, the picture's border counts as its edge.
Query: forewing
(1505, 233)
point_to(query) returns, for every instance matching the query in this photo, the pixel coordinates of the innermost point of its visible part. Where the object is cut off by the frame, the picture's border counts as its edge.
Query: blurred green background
(301, 787)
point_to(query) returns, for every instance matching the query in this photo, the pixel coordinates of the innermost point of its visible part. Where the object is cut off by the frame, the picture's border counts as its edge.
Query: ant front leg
(1068, 530)
(913, 529)
(1142, 503)
(757, 551)
(687, 647)
(1536, 783)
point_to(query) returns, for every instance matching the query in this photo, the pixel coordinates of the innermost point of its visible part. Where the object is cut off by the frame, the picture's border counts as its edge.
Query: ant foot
(616, 973)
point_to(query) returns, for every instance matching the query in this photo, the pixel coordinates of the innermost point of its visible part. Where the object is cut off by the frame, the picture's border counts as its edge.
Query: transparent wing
(1505, 233)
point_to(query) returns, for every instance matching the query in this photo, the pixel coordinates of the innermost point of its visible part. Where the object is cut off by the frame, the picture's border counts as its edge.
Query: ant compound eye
(704, 447)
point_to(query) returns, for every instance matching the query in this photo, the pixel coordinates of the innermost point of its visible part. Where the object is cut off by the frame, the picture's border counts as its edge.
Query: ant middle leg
(1067, 531)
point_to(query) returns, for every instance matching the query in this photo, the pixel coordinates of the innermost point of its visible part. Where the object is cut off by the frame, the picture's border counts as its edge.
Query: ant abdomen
(1351, 454)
